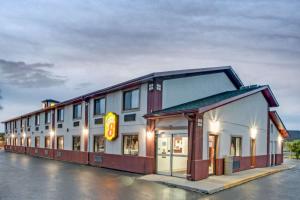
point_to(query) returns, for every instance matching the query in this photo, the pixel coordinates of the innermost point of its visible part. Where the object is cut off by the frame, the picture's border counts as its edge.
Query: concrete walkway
(215, 184)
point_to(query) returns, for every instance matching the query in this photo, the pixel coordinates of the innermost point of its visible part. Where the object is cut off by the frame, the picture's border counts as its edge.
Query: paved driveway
(24, 177)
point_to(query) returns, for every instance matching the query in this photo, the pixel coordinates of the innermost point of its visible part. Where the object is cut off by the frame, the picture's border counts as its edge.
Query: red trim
(136, 164)
(268, 139)
(273, 115)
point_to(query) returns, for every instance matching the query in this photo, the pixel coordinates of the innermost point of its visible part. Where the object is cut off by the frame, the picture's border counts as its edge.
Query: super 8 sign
(111, 126)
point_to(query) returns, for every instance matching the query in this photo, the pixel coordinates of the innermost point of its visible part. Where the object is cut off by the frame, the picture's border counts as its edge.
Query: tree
(1, 136)
(294, 147)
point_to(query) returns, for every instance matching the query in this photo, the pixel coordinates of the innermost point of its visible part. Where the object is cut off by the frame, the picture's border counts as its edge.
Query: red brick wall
(136, 164)
(278, 159)
(71, 156)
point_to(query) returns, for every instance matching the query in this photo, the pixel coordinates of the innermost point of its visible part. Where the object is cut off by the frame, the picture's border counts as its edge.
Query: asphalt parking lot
(25, 177)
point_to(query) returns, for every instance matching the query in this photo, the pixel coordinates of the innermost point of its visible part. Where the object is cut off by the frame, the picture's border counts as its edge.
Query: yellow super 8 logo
(111, 126)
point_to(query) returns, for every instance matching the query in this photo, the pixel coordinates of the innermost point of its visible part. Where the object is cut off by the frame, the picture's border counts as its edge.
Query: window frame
(76, 136)
(240, 147)
(139, 99)
(74, 105)
(28, 122)
(48, 118)
(37, 120)
(35, 142)
(47, 147)
(123, 146)
(63, 115)
(57, 143)
(94, 144)
(94, 106)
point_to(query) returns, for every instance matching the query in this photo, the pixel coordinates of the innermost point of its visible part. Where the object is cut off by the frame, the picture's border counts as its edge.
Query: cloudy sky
(61, 49)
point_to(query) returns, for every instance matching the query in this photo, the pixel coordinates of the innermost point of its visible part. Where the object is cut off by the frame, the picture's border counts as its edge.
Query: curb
(251, 178)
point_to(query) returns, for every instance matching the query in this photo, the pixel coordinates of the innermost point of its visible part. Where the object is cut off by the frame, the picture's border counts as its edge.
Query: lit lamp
(253, 132)
(85, 131)
(279, 139)
(24, 135)
(51, 133)
(150, 134)
(214, 126)
(13, 135)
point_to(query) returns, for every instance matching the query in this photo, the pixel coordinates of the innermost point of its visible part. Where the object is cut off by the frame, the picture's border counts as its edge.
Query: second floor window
(60, 115)
(47, 117)
(99, 106)
(28, 121)
(131, 99)
(37, 120)
(77, 111)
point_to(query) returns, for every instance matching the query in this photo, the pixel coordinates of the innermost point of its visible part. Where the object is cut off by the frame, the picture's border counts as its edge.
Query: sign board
(111, 126)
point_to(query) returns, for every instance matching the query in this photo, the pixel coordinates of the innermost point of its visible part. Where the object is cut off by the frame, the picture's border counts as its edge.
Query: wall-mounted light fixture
(279, 139)
(150, 134)
(214, 126)
(24, 135)
(253, 132)
(51, 133)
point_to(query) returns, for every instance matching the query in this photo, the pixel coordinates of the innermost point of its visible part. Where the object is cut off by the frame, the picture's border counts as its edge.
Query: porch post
(197, 167)
(150, 147)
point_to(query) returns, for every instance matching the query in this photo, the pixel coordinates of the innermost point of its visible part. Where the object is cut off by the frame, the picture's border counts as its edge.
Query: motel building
(183, 123)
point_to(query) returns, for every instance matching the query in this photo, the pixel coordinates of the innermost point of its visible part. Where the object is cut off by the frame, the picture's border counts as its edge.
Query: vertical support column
(53, 129)
(268, 139)
(154, 103)
(197, 167)
(86, 124)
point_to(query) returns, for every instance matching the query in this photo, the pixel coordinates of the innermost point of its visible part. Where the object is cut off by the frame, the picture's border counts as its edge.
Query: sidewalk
(215, 184)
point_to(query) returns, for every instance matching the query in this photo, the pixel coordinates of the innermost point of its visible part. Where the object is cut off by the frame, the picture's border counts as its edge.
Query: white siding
(114, 104)
(182, 90)
(236, 119)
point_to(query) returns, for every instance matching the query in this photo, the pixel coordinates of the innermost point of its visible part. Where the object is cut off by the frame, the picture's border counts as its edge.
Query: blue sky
(62, 49)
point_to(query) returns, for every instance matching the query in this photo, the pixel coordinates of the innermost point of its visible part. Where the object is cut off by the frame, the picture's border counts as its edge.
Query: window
(28, 142)
(15, 124)
(37, 120)
(99, 143)
(236, 146)
(76, 143)
(47, 117)
(22, 141)
(77, 111)
(37, 141)
(60, 115)
(99, 106)
(131, 99)
(60, 142)
(47, 141)
(131, 145)
(28, 121)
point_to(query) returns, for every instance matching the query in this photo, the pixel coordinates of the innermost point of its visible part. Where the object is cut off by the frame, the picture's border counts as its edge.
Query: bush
(294, 147)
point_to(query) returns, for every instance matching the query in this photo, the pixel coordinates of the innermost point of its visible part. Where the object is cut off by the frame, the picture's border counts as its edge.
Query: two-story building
(179, 123)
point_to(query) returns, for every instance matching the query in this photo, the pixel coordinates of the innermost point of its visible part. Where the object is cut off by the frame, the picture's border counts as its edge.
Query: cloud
(35, 75)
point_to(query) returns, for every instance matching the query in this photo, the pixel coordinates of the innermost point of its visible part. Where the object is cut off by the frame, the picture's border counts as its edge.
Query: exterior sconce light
(253, 132)
(214, 126)
(85, 131)
(51, 133)
(13, 135)
(279, 139)
(24, 135)
(150, 134)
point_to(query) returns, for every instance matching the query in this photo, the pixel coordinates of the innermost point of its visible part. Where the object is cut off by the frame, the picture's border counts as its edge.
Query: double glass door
(171, 154)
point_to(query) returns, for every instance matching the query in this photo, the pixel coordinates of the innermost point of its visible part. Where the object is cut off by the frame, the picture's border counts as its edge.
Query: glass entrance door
(163, 156)
(172, 153)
